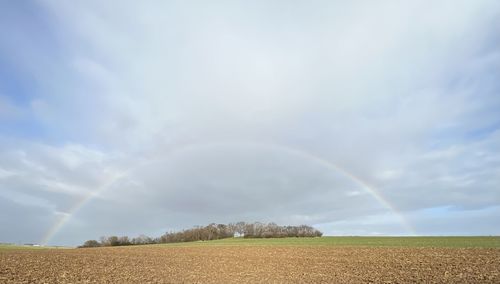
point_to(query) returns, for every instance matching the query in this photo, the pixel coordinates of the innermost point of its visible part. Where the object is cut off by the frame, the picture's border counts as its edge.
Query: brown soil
(250, 264)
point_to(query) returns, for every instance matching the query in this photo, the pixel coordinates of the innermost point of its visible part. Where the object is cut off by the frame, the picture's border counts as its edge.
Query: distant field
(438, 242)
(21, 247)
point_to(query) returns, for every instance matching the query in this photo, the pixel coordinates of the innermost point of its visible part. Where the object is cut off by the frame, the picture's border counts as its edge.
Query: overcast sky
(356, 117)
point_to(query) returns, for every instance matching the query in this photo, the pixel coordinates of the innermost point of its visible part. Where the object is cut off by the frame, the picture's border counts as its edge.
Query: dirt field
(234, 264)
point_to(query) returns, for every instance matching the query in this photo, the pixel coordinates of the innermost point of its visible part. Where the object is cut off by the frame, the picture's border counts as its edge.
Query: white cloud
(401, 95)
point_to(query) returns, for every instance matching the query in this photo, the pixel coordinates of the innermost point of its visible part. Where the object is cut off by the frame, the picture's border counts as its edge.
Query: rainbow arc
(66, 217)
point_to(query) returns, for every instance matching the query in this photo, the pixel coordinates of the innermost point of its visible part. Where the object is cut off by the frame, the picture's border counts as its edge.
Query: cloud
(26, 223)
(460, 176)
(197, 104)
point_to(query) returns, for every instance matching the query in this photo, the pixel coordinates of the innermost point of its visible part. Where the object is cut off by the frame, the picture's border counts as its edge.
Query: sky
(355, 117)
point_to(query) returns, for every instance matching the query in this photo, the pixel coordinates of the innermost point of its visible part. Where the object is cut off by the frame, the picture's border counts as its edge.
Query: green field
(458, 242)
(453, 242)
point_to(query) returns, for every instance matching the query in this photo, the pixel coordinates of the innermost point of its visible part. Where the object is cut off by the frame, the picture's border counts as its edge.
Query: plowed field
(238, 264)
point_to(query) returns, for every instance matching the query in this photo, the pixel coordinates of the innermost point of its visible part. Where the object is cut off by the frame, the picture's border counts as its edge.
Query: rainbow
(65, 217)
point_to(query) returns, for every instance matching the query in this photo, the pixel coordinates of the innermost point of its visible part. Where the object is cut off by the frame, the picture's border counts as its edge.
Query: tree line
(212, 232)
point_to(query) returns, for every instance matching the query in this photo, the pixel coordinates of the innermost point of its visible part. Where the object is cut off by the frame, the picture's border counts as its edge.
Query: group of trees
(120, 241)
(207, 233)
(212, 232)
(272, 230)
